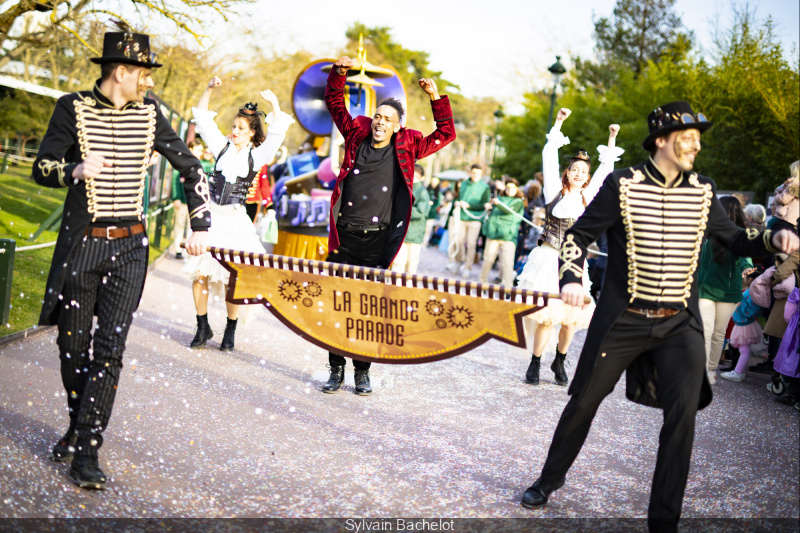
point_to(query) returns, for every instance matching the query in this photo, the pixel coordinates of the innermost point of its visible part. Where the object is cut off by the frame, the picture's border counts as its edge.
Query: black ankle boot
(64, 449)
(85, 472)
(203, 332)
(363, 387)
(532, 374)
(558, 368)
(335, 381)
(227, 337)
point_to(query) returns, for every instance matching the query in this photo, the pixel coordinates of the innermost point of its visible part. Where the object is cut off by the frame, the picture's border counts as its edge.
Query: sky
(498, 48)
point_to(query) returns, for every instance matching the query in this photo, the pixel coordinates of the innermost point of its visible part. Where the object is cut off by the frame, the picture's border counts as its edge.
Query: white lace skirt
(541, 274)
(230, 228)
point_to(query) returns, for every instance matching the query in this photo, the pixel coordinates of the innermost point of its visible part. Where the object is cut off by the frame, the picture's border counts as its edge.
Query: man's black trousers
(675, 347)
(358, 248)
(104, 278)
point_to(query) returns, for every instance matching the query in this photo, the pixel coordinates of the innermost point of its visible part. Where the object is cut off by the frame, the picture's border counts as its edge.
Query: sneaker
(465, 271)
(732, 376)
(452, 267)
(712, 377)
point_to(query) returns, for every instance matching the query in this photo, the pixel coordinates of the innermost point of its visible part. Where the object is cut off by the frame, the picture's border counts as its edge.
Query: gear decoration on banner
(434, 308)
(460, 317)
(441, 323)
(308, 302)
(290, 290)
(313, 289)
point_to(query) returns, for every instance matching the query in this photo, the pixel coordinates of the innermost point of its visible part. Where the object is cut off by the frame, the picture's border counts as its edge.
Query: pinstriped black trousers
(104, 278)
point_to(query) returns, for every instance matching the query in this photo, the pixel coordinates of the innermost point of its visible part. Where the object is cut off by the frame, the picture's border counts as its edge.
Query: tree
(638, 32)
(37, 22)
(24, 116)
(751, 94)
(754, 100)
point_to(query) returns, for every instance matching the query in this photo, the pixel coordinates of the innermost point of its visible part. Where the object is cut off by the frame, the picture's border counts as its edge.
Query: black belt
(114, 232)
(353, 227)
(654, 313)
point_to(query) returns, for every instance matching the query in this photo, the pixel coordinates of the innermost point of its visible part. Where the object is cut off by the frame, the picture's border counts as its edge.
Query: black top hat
(127, 48)
(674, 116)
(581, 155)
(250, 109)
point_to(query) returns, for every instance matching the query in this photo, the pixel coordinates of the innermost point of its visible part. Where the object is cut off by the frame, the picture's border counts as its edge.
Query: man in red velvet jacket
(371, 203)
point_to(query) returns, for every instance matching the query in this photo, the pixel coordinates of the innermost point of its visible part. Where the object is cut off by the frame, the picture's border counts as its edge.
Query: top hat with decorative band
(127, 48)
(675, 116)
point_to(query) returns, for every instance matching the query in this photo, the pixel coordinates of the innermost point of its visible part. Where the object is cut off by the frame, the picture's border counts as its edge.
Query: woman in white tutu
(239, 158)
(567, 196)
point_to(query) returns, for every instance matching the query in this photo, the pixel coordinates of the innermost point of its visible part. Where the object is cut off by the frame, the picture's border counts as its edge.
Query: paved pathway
(249, 434)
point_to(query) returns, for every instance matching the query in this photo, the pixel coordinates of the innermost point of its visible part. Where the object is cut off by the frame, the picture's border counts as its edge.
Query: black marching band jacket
(655, 234)
(88, 121)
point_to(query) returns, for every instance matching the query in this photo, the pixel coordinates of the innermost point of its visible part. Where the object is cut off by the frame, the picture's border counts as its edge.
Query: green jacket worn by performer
(97, 146)
(647, 323)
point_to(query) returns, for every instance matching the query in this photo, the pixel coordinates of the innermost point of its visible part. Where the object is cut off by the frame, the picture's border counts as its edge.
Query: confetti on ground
(249, 433)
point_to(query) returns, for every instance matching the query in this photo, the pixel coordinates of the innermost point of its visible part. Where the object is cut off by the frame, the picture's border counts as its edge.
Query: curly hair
(255, 124)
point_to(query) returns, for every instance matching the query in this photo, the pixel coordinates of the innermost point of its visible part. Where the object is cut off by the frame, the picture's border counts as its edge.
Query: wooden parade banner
(378, 315)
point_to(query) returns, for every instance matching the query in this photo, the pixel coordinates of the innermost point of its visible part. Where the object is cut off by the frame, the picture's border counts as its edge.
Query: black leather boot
(227, 337)
(203, 332)
(558, 368)
(538, 493)
(532, 374)
(64, 449)
(362, 382)
(85, 472)
(335, 381)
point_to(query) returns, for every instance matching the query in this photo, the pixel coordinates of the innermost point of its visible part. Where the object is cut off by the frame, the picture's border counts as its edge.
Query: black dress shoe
(538, 493)
(85, 472)
(335, 381)
(764, 367)
(363, 387)
(786, 399)
(65, 447)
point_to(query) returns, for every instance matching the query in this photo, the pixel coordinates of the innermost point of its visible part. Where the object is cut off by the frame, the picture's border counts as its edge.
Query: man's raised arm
(334, 95)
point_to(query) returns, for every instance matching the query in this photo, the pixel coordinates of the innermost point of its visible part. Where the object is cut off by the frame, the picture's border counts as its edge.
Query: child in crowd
(746, 329)
(787, 362)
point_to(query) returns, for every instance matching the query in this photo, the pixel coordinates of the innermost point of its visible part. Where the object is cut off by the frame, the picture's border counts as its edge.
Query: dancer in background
(238, 159)
(567, 196)
(501, 229)
(407, 259)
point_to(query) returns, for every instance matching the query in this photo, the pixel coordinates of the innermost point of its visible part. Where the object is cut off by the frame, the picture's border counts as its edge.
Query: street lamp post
(556, 70)
(498, 117)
